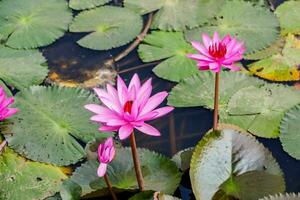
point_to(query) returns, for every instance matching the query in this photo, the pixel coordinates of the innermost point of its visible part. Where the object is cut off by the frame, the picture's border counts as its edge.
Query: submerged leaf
(108, 27)
(86, 4)
(160, 173)
(255, 25)
(172, 47)
(22, 68)
(289, 132)
(225, 161)
(288, 14)
(27, 180)
(51, 123)
(33, 24)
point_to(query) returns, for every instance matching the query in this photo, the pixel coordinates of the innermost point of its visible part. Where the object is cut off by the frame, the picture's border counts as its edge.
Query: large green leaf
(177, 14)
(289, 17)
(22, 68)
(27, 180)
(108, 26)
(282, 66)
(86, 4)
(286, 196)
(170, 46)
(255, 25)
(226, 162)
(51, 123)
(266, 105)
(160, 173)
(289, 131)
(198, 90)
(34, 23)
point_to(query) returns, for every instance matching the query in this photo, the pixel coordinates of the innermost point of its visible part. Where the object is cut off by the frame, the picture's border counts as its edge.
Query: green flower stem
(108, 183)
(216, 101)
(136, 162)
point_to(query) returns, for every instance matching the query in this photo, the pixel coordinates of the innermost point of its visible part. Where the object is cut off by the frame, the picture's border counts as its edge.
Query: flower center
(217, 50)
(128, 106)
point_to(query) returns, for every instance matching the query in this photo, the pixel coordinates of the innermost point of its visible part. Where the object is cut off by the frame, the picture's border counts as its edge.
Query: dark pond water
(181, 129)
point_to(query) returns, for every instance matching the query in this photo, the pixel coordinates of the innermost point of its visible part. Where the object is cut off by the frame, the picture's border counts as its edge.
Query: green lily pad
(22, 68)
(289, 132)
(70, 190)
(160, 173)
(286, 196)
(147, 195)
(86, 4)
(51, 121)
(183, 158)
(109, 27)
(27, 180)
(198, 90)
(33, 24)
(288, 14)
(172, 47)
(7, 91)
(258, 27)
(224, 161)
(176, 14)
(282, 66)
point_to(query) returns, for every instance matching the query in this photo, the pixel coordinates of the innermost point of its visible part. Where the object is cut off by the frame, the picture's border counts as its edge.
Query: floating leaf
(27, 180)
(282, 66)
(224, 161)
(198, 90)
(289, 132)
(86, 4)
(148, 195)
(51, 121)
(266, 106)
(170, 46)
(255, 25)
(176, 14)
(183, 158)
(286, 196)
(162, 196)
(22, 68)
(33, 24)
(108, 26)
(159, 173)
(288, 14)
(70, 190)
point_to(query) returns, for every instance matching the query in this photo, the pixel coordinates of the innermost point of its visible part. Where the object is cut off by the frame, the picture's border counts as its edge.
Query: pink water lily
(128, 108)
(217, 52)
(5, 111)
(106, 153)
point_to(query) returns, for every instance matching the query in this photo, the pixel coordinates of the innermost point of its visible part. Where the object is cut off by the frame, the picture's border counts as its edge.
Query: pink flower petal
(144, 93)
(200, 48)
(108, 128)
(100, 92)
(232, 67)
(11, 112)
(216, 38)
(226, 39)
(215, 67)
(116, 122)
(199, 57)
(135, 82)
(122, 91)
(153, 102)
(104, 117)
(6, 102)
(125, 131)
(148, 116)
(206, 40)
(101, 169)
(162, 111)
(98, 109)
(112, 105)
(149, 130)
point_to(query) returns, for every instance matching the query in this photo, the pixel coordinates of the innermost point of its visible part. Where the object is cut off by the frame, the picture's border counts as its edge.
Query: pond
(72, 65)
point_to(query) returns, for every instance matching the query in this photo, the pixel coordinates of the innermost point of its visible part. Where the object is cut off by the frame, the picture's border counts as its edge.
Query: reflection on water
(183, 128)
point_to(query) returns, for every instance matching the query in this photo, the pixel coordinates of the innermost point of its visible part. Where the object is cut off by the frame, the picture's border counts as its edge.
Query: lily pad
(289, 132)
(258, 27)
(176, 14)
(70, 190)
(289, 17)
(86, 4)
(282, 66)
(286, 196)
(33, 24)
(160, 173)
(198, 90)
(22, 68)
(108, 27)
(147, 195)
(183, 158)
(172, 47)
(51, 123)
(27, 180)
(224, 161)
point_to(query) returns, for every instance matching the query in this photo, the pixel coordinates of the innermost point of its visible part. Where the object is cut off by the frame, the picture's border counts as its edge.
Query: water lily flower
(5, 111)
(106, 153)
(128, 108)
(217, 52)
